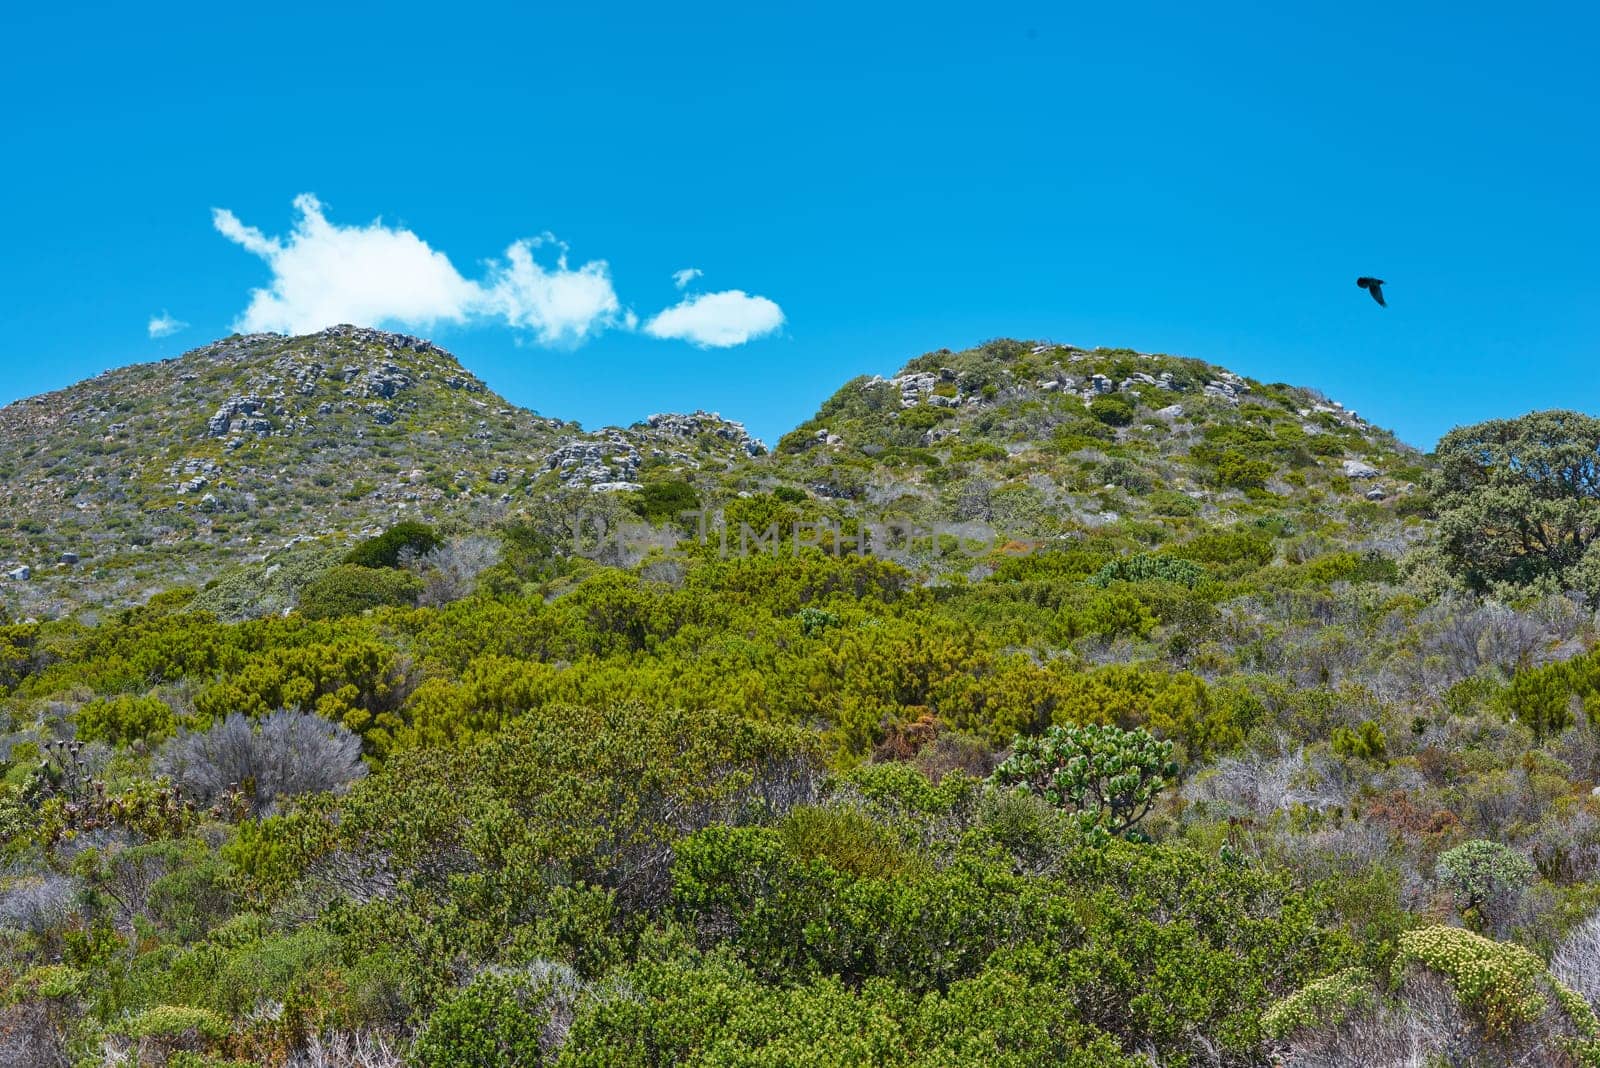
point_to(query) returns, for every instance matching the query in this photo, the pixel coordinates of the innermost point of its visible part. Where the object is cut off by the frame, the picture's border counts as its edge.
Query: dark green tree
(385, 549)
(1519, 499)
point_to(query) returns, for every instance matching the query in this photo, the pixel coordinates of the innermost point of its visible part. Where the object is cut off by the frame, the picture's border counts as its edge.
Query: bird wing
(1376, 289)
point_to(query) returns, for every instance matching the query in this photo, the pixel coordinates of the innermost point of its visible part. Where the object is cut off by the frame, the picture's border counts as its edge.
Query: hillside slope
(1041, 438)
(155, 474)
(162, 474)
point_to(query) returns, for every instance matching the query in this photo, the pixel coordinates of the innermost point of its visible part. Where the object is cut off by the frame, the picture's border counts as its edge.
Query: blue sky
(857, 184)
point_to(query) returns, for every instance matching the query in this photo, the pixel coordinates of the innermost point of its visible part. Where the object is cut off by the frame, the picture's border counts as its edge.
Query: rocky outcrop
(239, 415)
(610, 459)
(694, 424)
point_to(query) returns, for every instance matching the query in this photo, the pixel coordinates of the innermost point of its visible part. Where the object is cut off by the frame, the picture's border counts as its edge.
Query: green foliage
(499, 1020)
(1109, 776)
(1519, 499)
(350, 589)
(386, 549)
(1144, 567)
(666, 501)
(714, 1011)
(126, 718)
(1112, 410)
(1238, 551)
(1480, 873)
(1543, 697)
(813, 621)
(1322, 1004)
(1365, 742)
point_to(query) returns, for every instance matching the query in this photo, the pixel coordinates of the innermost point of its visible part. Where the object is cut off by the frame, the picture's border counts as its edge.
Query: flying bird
(1373, 286)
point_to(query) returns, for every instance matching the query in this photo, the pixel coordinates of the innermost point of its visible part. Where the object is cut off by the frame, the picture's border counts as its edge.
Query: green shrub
(1144, 567)
(350, 589)
(499, 1020)
(665, 501)
(1365, 742)
(1172, 503)
(1482, 875)
(1109, 776)
(1322, 1004)
(1112, 410)
(126, 718)
(386, 549)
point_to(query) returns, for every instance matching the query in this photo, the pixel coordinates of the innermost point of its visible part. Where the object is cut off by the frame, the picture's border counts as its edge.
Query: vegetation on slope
(1184, 771)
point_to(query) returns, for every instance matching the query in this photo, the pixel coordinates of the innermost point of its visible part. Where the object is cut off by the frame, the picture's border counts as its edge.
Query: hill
(149, 476)
(1045, 437)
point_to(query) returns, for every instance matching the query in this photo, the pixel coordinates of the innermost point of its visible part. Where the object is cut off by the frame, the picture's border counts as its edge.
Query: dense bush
(386, 550)
(351, 589)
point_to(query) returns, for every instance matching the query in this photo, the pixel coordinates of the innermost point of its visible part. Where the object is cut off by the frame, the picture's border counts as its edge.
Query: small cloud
(560, 305)
(717, 320)
(164, 325)
(685, 276)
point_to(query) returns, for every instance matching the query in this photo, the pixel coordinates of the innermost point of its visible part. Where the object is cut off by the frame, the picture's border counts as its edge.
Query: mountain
(160, 474)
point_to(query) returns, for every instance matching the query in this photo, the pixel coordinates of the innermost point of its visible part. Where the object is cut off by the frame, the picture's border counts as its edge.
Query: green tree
(1483, 877)
(1109, 776)
(1519, 499)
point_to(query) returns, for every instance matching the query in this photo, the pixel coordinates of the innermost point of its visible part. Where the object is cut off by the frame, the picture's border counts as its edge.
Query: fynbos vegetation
(1036, 706)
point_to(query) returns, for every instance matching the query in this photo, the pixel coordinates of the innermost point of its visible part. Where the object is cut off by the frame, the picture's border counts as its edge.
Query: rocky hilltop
(163, 473)
(1044, 437)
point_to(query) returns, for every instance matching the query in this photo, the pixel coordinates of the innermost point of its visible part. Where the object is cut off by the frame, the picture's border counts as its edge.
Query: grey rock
(608, 461)
(694, 424)
(220, 425)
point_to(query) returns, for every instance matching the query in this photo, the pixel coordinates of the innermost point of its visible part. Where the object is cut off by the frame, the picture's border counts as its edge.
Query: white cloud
(558, 305)
(164, 325)
(324, 273)
(717, 320)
